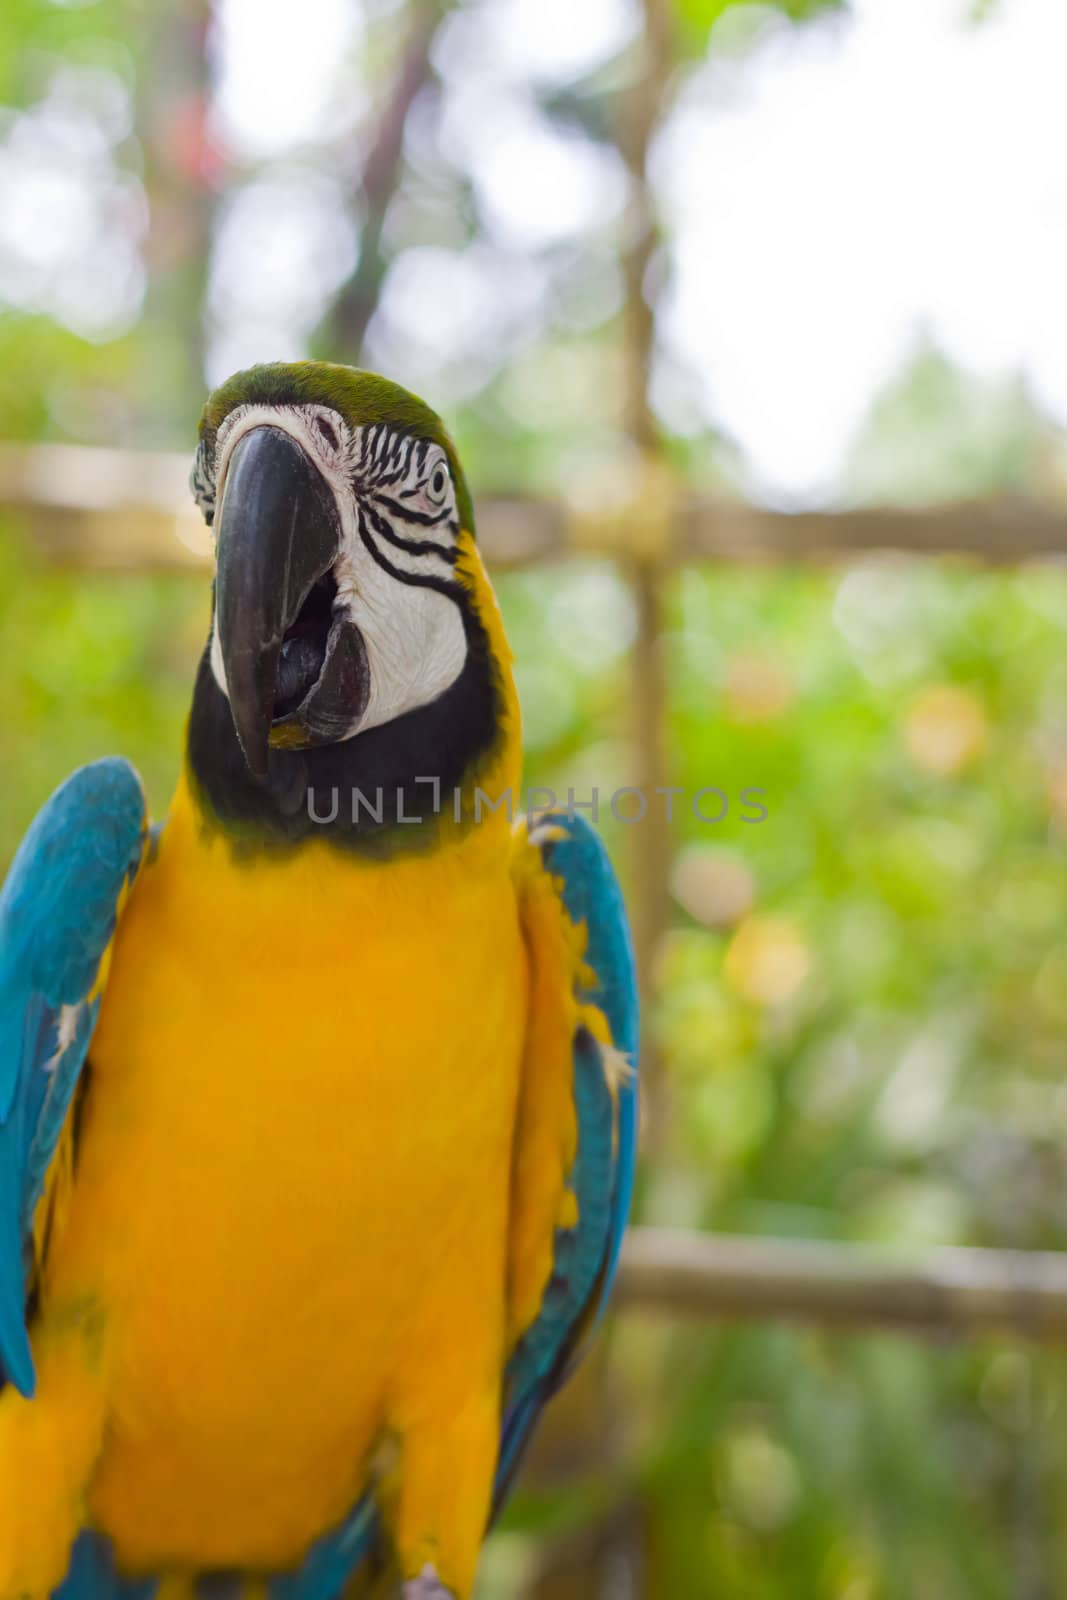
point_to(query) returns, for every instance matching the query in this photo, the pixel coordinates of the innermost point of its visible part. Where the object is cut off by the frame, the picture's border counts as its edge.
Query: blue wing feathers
(332, 1560)
(92, 1574)
(57, 916)
(591, 894)
(15, 1359)
(586, 1256)
(579, 1253)
(61, 1082)
(57, 908)
(35, 1022)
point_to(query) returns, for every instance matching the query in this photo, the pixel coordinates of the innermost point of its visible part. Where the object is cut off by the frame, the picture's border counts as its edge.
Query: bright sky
(854, 188)
(835, 194)
(280, 86)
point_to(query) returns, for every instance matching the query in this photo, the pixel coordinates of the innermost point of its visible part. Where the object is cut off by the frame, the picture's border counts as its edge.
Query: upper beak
(279, 532)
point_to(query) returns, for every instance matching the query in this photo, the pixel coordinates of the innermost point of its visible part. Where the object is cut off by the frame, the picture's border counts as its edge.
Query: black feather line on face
(418, 580)
(416, 547)
(202, 482)
(409, 514)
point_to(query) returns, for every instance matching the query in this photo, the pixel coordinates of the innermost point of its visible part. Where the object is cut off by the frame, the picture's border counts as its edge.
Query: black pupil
(437, 482)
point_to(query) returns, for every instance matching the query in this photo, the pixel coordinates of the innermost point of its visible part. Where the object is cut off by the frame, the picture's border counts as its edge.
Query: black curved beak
(279, 533)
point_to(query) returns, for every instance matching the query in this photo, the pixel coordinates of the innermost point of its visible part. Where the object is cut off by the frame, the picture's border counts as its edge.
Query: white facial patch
(395, 573)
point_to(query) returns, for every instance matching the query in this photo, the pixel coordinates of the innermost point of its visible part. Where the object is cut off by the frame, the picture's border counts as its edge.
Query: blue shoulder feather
(57, 917)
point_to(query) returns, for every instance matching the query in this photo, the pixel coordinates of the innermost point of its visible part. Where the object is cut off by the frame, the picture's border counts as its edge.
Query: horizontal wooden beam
(118, 509)
(124, 509)
(997, 530)
(962, 1292)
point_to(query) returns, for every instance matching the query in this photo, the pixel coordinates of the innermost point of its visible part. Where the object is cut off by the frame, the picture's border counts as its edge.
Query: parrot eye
(438, 482)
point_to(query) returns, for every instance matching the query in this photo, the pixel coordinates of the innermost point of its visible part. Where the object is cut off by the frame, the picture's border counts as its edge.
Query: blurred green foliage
(863, 995)
(93, 664)
(863, 1006)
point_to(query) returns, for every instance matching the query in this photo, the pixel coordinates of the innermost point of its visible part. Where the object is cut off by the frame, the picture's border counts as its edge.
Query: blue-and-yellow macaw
(317, 1103)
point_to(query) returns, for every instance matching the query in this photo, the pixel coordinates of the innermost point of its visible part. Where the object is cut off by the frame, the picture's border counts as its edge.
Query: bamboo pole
(646, 535)
(949, 1291)
(640, 538)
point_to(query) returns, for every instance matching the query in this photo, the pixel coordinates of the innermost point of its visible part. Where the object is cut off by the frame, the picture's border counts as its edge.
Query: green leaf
(698, 17)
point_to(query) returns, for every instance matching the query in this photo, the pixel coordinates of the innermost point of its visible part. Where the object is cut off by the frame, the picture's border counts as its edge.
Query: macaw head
(355, 638)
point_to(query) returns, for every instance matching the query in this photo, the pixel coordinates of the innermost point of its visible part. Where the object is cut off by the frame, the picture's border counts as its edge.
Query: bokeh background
(804, 255)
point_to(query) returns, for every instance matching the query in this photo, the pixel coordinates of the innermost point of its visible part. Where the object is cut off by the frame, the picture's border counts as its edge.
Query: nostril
(326, 431)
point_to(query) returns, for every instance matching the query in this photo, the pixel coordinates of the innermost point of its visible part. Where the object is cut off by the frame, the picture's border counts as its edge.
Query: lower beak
(279, 534)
